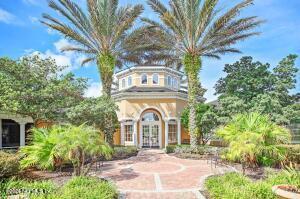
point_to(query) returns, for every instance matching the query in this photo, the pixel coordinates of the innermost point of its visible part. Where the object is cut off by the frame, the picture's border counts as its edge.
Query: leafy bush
(201, 149)
(237, 186)
(253, 139)
(9, 164)
(170, 148)
(89, 188)
(77, 144)
(292, 153)
(121, 152)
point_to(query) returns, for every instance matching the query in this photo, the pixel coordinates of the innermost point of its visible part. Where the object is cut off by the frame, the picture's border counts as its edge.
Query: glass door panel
(146, 135)
(154, 136)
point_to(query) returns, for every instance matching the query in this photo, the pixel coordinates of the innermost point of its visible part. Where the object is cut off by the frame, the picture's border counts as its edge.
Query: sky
(21, 34)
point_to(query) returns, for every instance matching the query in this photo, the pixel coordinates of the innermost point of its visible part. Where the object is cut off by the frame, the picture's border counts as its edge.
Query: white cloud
(33, 19)
(70, 59)
(31, 2)
(95, 90)
(6, 17)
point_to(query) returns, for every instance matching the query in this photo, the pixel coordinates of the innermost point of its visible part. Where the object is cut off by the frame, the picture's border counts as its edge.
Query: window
(150, 117)
(155, 79)
(128, 133)
(123, 83)
(169, 81)
(144, 79)
(175, 83)
(172, 136)
(129, 83)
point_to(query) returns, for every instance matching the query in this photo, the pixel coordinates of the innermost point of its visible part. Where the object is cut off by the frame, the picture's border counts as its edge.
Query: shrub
(77, 144)
(87, 187)
(121, 152)
(237, 186)
(170, 148)
(253, 139)
(292, 154)
(9, 164)
(201, 149)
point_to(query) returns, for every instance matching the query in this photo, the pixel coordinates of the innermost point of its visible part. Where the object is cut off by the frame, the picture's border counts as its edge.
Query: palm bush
(253, 138)
(80, 145)
(193, 29)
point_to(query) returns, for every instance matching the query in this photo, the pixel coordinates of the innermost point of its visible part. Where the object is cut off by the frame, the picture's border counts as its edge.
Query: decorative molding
(152, 95)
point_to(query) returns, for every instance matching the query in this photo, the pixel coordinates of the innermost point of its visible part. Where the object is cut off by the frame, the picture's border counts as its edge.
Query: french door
(150, 135)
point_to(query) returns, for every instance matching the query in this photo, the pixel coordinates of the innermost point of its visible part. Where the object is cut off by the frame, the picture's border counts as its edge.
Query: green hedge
(9, 164)
(292, 153)
(170, 148)
(237, 186)
(121, 152)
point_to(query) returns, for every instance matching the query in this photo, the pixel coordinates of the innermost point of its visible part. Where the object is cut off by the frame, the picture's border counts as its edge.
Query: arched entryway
(150, 129)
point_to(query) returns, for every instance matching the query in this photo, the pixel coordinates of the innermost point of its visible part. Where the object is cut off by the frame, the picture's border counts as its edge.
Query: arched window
(123, 83)
(150, 117)
(129, 83)
(169, 81)
(144, 79)
(155, 79)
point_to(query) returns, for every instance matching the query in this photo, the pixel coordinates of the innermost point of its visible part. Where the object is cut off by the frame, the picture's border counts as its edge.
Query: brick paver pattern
(154, 174)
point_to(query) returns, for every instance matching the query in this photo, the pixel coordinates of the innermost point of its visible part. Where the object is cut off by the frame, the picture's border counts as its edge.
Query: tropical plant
(253, 139)
(80, 145)
(193, 29)
(9, 164)
(104, 34)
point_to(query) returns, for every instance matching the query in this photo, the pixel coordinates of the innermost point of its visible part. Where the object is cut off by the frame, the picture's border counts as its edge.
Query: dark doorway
(10, 133)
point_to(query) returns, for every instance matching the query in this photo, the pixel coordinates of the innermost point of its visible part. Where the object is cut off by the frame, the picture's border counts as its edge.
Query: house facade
(151, 100)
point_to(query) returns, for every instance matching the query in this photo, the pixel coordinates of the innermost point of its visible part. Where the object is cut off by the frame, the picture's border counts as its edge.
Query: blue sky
(22, 33)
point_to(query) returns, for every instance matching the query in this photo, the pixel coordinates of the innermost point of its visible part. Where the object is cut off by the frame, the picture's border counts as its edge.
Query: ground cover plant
(238, 186)
(77, 187)
(122, 152)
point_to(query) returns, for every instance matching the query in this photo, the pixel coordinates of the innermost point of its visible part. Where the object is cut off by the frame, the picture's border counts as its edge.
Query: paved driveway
(154, 174)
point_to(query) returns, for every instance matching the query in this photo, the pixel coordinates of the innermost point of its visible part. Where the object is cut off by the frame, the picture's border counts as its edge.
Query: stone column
(122, 133)
(166, 133)
(178, 131)
(22, 133)
(0, 133)
(135, 133)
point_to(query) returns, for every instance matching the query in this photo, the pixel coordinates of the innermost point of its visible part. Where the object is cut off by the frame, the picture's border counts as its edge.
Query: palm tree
(193, 29)
(104, 34)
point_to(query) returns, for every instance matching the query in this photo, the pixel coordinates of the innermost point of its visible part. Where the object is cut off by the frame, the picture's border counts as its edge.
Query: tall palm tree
(104, 34)
(192, 29)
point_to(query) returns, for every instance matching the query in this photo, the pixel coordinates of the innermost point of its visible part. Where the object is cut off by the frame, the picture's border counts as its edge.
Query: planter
(286, 191)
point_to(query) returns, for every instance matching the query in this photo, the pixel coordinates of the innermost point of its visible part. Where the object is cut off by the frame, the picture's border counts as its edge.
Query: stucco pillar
(0, 133)
(22, 133)
(122, 133)
(178, 132)
(166, 133)
(135, 133)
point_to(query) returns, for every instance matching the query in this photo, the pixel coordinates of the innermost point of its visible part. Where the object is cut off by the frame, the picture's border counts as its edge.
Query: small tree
(206, 121)
(253, 139)
(97, 112)
(81, 145)
(35, 87)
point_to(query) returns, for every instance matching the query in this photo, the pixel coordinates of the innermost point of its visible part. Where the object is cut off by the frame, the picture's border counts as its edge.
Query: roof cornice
(152, 95)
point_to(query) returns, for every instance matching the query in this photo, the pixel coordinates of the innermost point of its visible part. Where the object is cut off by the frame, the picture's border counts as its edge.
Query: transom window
(129, 81)
(144, 79)
(128, 133)
(150, 117)
(155, 79)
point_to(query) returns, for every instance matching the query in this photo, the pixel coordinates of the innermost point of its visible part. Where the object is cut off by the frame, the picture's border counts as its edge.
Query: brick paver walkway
(154, 174)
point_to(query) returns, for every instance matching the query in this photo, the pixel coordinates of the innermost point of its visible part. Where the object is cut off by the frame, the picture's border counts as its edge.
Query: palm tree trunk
(106, 66)
(192, 65)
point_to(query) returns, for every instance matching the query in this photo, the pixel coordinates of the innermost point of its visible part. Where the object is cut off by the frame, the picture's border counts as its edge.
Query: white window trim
(169, 85)
(142, 79)
(157, 79)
